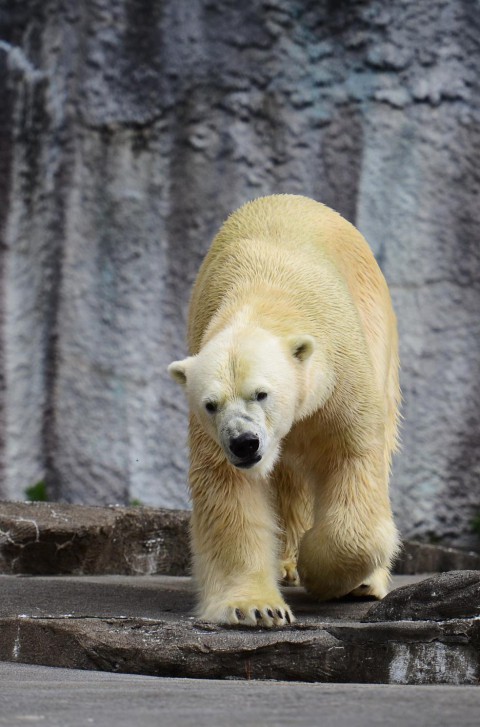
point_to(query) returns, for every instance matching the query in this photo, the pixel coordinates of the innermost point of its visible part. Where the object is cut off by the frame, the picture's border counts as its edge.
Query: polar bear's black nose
(246, 445)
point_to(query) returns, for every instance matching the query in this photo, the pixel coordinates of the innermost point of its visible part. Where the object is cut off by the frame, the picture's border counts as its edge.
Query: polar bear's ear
(178, 370)
(301, 346)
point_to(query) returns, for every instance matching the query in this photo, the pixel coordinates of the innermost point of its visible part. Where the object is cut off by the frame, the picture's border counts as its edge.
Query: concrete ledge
(55, 538)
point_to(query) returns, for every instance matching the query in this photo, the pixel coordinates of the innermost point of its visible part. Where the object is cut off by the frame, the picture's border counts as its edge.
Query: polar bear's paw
(288, 572)
(258, 612)
(375, 586)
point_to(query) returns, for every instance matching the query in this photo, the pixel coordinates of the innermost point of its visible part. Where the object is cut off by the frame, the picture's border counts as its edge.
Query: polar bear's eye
(261, 395)
(211, 407)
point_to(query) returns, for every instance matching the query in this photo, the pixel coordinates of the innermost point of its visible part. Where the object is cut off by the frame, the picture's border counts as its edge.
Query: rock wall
(130, 129)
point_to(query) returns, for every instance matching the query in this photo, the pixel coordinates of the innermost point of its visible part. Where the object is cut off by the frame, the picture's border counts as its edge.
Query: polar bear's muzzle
(242, 439)
(245, 450)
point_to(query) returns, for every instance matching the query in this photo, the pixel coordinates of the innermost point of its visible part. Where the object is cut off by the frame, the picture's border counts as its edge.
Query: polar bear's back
(264, 234)
(264, 240)
(302, 225)
(289, 219)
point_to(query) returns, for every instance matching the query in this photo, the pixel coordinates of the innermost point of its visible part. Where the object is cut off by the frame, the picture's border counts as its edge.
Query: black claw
(239, 614)
(279, 613)
(287, 616)
(270, 612)
(258, 615)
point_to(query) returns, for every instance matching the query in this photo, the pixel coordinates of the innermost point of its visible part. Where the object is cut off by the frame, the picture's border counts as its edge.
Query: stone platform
(144, 625)
(43, 538)
(107, 589)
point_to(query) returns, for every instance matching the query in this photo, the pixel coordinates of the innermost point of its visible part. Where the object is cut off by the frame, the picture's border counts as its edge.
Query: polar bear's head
(246, 388)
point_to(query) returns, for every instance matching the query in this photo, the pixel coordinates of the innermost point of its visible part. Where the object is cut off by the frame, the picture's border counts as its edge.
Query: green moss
(37, 492)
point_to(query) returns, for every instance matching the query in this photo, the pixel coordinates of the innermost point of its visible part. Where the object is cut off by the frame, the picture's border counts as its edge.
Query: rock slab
(425, 558)
(144, 626)
(55, 539)
(445, 596)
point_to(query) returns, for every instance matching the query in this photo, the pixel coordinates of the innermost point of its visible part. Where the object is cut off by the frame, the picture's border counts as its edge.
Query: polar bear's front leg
(235, 548)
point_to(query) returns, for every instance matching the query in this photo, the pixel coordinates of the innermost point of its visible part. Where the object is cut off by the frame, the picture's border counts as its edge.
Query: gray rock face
(129, 131)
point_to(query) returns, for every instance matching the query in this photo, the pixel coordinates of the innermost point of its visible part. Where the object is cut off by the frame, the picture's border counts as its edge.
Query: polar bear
(292, 384)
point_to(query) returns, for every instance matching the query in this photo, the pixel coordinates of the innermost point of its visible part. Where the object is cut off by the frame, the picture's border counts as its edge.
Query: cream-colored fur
(292, 338)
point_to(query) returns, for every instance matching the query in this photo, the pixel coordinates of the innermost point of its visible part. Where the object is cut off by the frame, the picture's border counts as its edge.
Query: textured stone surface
(53, 539)
(130, 130)
(56, 538)
(32, 693)
(143, 626)
(445, 596)
(422, 558)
